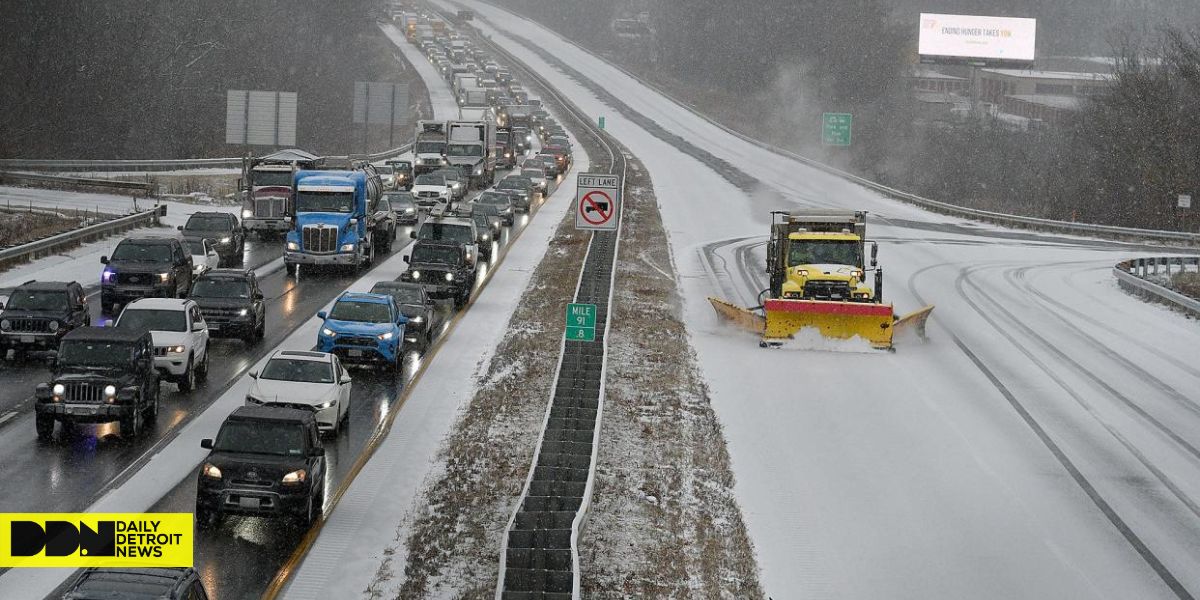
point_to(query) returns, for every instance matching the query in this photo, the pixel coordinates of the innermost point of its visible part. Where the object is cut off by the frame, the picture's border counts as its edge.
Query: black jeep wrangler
(101, 374)
(266, 460)
(38, 314)
(443, 268)
(232, 304)
(145, 267)
(160, 583)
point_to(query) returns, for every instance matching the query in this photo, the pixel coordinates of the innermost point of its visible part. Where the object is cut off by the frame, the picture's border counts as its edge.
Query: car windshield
(272, 178)
(221, 287)
(402, 294)
(430, 147)
(431, 180)
(38, 300)
(196, 247)
(142, 252)
(153, 319)
(261, 437)
(207, 223)
(339, 202)
(363, 312)
(531, 173)
(383, 170)
(492, 198)
(464, 150)
(291, 369)
(512, 184)
(450, 176)
(428, 253)
(99, 354)
(400, 201)
(825, 252)
(453, 232)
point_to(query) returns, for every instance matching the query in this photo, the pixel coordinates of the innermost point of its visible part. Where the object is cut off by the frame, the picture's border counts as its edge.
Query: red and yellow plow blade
(875, 323)
(837, 320)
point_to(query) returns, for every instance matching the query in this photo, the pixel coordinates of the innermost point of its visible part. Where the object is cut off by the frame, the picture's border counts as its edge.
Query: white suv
(301, 379)
(180, 337)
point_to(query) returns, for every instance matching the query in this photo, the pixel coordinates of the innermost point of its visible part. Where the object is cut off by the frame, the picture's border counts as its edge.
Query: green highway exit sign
(581, 322)
(835, 128)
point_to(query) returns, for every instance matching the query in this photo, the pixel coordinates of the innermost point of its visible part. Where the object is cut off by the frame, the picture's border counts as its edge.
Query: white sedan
(302, 379)
(204, 256)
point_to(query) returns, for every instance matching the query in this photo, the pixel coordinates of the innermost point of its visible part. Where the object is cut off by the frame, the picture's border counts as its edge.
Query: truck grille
(270, 207)
(84, 392)
(220, 314)
(356, 341)
(827, 290)
(428, 194)
(30, 325)
(143, 279)
(160, 350)
(318, 238)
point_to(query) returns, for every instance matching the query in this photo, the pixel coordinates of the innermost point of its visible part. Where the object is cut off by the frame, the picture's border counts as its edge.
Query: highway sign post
(836, 128)
(581, 322)
(1185, 201)
(597, 202)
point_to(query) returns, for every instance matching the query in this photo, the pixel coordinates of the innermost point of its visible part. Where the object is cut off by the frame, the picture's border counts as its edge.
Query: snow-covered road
(1043, 444)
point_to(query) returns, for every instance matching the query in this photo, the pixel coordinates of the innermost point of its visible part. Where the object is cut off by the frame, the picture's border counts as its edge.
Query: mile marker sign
(597, 201)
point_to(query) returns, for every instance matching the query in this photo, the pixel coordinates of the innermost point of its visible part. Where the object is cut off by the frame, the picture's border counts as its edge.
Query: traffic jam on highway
(115, 366)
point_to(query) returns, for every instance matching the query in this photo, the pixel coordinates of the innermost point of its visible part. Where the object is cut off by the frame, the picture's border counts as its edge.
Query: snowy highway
(1042, 444)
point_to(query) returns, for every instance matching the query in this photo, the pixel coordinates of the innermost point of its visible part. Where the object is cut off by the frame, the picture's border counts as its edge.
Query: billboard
(260, 118)
(976, 41)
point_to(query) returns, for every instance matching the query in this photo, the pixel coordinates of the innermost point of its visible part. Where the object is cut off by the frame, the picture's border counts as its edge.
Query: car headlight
(293, 246)
(327, 332)
(243, 312)
(457, 185)
(487, 236)
(418, 319)
(176, 349)
(246, 214)
(164, 277)
(856, 274)
(211, 471)
(5, 325)
(54, 325)
(59, 390)
(529, 138)
(385, 336)
(410, 211)
(325, 405)
(297, 476)
(449, 276)
(110, 391)
(347, 247)
(108, 276)
(478, 172)
(802, 273)
(226, 240)
(416, 275)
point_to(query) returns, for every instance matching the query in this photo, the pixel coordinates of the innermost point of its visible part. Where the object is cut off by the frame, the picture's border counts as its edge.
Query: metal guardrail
(998, 218)
(90, 233)
(1131, 276)
(144, 187)
(23, 164)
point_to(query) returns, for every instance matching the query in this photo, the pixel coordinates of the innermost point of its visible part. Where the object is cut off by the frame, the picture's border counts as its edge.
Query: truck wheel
(206, 518)
(131, 426)
(45, 427)
(187, 382)
(290, 268)
(152, 409)
(202, 371)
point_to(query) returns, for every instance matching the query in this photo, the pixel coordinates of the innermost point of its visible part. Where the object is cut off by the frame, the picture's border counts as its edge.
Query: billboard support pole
(976, 93)
(392, 121)
(366, 113)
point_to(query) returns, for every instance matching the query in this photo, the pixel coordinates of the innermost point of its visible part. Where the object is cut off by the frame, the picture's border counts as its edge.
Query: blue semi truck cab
(334, 218)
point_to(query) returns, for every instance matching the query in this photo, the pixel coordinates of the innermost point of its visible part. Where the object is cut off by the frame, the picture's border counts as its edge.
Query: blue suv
(364, 328)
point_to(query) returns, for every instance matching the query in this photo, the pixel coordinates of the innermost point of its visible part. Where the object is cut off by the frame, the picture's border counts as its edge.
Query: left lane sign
(597, 201)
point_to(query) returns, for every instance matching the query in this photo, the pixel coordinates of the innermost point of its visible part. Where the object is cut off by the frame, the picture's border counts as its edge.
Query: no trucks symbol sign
(597, 202)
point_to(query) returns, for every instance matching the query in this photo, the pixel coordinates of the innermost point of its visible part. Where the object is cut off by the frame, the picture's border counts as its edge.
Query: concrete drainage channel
(539, 554)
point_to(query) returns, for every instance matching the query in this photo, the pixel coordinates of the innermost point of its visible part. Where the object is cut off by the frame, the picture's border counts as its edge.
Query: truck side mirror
(104, 260)
(180, 228)
(405, 258)
(206, 443)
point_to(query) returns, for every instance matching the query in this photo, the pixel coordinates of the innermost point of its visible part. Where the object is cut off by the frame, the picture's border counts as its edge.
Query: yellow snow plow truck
(817, 269)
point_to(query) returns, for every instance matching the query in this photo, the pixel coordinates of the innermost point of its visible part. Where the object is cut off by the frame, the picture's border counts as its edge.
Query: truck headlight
(110, 391)
(347, 247)
(449, 276)
(856, 274)
(164, 277)
(176, 349)
(327, 332)
(247, 213)
(54, 326)
(418, 319)
(211, 471)
(108, 276)
(409, 211)
(416, 275)
(385, 336)
(487, 236)
(5, 325)
(295, 477)
(293, 246)
(226, 240)
(478, 172)
(243, 312)
(802, 272)
(59, 390)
